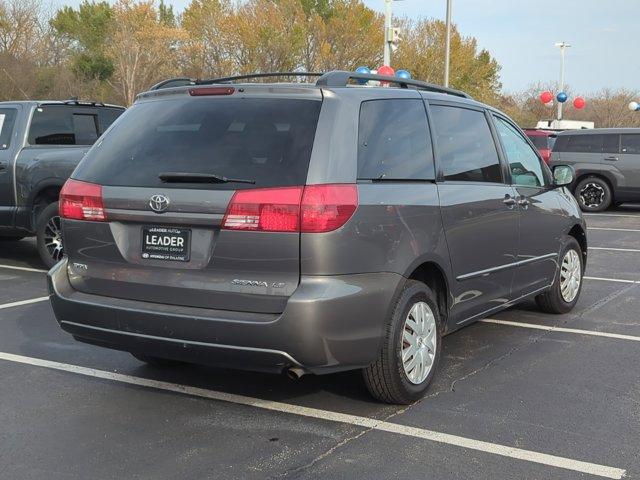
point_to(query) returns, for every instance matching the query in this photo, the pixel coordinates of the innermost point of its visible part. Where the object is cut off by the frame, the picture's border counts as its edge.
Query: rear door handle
(509, 201)
(611, 159)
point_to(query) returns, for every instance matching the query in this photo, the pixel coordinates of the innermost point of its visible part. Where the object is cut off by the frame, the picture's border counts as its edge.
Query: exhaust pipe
(295, 373)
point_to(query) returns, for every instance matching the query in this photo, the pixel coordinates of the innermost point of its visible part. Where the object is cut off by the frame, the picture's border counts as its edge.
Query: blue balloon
(562, 97)
(403, 74)
(365, 71)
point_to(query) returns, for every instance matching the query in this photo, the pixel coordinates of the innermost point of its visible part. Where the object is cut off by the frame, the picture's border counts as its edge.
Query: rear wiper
(182, 177)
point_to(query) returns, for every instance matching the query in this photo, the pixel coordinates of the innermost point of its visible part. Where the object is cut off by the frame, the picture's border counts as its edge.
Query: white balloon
(633, 106)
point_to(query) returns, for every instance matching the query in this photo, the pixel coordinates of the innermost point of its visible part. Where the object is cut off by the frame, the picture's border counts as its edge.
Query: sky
(520, 34)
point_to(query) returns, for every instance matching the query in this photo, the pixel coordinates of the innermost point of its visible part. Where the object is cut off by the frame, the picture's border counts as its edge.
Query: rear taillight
(545, 153)
(327, 207)
(311, 209)
(81, 201)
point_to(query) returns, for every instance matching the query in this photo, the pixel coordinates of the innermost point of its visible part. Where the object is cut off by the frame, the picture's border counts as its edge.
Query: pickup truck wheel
(411, 348)
(49, 235)
(593, 194)
(565, 291)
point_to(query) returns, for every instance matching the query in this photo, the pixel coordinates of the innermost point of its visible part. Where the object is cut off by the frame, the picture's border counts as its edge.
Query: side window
(85, 128)
(394, 141)
(106, 116)
(585, 144)
(7, 121)
(630, 143)
(611, 143)
(52, 125)
(465, 145)
(524, 164)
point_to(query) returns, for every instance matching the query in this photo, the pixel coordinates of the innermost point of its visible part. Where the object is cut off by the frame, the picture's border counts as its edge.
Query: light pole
(563, 46)
(387, 29)
(447, 45)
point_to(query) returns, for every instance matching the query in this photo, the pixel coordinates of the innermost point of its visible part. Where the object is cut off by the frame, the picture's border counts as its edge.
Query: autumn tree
(142, 48)
(472, 69)
(206, 50)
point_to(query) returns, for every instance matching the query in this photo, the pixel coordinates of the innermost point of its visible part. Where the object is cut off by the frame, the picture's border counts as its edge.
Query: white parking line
(24, 269)
(611, 215)
(380, 425)
(617, 280)
(614, 229)
(611, 249)
(23, 302)
(562, 329)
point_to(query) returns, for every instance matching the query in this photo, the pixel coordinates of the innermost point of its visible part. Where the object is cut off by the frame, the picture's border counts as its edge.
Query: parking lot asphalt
(521, 395)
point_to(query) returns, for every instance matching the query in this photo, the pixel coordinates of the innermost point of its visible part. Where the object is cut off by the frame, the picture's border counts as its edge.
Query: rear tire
(49, 235)
(554, 300)
(593, 194)
(155, 361)
(389, 378)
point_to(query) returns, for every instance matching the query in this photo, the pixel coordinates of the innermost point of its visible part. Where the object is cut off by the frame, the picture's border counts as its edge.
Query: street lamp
(447, 45)
(391, 34)
(562, 46)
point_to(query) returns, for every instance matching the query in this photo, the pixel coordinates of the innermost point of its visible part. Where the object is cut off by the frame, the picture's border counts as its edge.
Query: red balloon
(386, 70)
(546, 97)
(579, 103)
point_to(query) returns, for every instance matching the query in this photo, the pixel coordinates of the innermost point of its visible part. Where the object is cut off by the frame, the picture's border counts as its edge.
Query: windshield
(266, 140)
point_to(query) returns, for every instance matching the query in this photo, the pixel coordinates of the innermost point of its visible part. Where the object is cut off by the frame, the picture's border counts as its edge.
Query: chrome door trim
(488, 271)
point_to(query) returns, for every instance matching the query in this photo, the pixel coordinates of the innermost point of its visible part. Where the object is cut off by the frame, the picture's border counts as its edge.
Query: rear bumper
(330, 323)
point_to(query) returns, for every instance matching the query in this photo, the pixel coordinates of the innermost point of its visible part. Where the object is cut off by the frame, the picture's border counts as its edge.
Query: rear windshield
(268, 141)
(539, 141)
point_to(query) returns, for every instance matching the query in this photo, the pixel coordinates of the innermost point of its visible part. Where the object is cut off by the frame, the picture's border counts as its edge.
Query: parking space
(522, 395)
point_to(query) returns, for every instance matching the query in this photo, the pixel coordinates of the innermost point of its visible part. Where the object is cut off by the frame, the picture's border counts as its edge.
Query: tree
(422, 53)
(206, 51)
(88, 29)
(143, 48)
(353, 35)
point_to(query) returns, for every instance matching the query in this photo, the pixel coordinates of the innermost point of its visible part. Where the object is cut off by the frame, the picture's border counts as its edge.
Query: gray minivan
(311, 228)
(606, 162)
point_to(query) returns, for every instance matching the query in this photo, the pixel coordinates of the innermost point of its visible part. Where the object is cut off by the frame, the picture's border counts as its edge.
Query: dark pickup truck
(41, 142)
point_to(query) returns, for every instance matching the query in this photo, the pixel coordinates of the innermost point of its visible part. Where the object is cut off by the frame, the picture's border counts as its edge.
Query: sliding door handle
(611, 159)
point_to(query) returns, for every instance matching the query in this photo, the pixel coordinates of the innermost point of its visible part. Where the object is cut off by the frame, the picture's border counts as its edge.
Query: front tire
(49, 235)
(565, 291)
(593, 194)
(411, 348)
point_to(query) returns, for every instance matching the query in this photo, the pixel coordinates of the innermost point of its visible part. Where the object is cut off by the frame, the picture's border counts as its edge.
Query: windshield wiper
(183, 177)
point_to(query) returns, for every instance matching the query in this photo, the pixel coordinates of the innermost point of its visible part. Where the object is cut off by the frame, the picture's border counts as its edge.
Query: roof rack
(174, 82)
(340, 78)
(336, 78)
(259, 75)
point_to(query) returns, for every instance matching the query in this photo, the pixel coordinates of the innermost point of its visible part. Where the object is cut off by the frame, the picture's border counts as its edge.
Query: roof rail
(259, 75)
(174, 82)
(339, 78)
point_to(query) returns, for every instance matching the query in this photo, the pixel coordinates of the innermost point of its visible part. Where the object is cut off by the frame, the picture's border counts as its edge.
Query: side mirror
(563, 175)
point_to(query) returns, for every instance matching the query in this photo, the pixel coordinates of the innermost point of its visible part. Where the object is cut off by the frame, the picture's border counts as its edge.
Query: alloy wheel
(592, 195)
(53, 238)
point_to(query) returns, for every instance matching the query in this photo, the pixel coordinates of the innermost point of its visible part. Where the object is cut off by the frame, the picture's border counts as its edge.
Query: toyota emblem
(159, 203)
